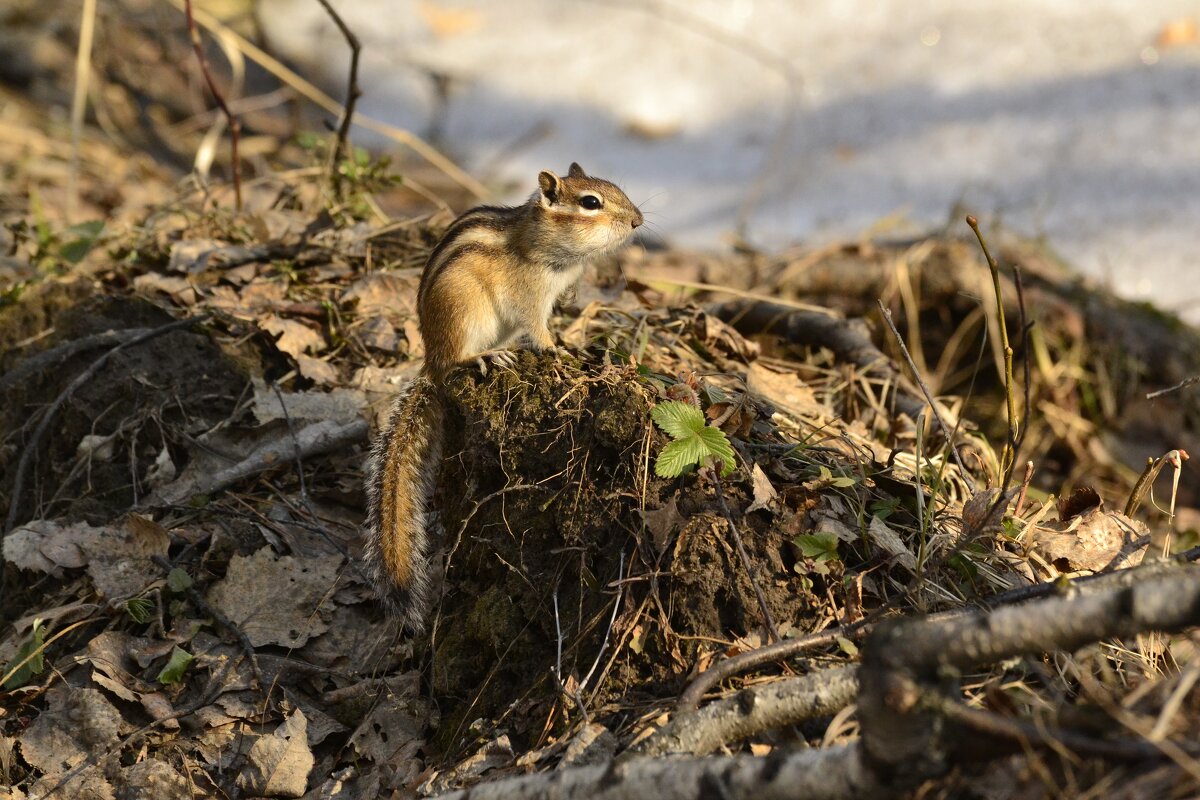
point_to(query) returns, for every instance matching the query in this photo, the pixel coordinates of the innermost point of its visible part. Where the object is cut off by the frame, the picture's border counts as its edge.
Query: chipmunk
(494, 276)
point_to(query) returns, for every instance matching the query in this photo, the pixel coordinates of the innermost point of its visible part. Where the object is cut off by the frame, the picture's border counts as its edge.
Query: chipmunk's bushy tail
(404, 461)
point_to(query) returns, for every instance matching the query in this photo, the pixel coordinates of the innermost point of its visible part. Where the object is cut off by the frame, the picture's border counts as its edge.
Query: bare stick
(315, 439)
(353, 92)
(1024, 488)
(83, 73)
(1010, 448)
(783, 702)
(768, 621)
(235, 126)
(1183, 384)
(407, 138)
(778, 651)
(790, 648)
(39, 433)
(933, 406)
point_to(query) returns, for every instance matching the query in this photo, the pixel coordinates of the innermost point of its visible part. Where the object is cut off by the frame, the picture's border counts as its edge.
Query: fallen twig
(353, 92)
(1183, 384)
(933, 406)
(778, 651)
(786, 701)
(848, 339)
(235, 125)
(315, 439)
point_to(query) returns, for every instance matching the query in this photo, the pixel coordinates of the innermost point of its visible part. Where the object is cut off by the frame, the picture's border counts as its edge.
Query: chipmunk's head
(585, 215)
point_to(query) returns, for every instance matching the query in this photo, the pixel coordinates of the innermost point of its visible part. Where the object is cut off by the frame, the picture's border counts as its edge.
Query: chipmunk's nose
(637, 219)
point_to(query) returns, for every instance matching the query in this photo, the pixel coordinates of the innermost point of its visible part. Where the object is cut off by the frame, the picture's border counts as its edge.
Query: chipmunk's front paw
(501, 359)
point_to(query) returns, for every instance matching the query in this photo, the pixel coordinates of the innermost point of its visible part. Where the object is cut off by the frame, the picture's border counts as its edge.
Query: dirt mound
(120, 432)
(553, 567)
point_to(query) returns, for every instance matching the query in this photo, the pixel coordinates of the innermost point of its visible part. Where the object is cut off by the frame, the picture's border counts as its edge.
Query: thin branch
(779, 651)
(789, 648)
(1008, 461)
(933, 406)
(83, 73)
(353, 92)
(312, 93)
(235, 125)
(222, 620)
(754, 710)
(1183, 384)
(315, 439)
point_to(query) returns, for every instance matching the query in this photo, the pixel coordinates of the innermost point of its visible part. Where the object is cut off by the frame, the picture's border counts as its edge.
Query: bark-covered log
(905, 740)
(754, 710)
(833, 774)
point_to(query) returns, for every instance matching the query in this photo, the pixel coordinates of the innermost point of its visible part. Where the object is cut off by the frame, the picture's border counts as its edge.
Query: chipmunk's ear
(576, 171)
(550, 184)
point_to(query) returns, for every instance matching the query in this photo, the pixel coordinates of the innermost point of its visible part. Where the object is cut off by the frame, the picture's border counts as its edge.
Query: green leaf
(677, 418)
(718, 447)
(885, 508)
(818, 546)
(964, 566)
(178, 581)
(85, 235)
(846, 646)
(176, 666)
(843, 482)
(138, 609)
(32, 645)
(676, 457)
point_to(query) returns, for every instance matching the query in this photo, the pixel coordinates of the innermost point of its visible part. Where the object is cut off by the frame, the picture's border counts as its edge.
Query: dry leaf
(890, 542)
(383, 294)
(1179, 31)
(412, 335)
(156, 779)
(339, 405)
(77, 723)
(764, 492)
(192, 255)
(178, 289)
(717, 335)
(162, 471)
(1096, 540)
(119, 556)
(1082, 499)
(783, 389)
(44, 545)
(448, 22)
(379, 334)
(273, 600)
(661, 522)
(316, 370)
(279, 764)
(294, 338)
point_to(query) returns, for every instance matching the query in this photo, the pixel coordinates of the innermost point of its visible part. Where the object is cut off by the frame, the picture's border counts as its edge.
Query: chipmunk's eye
(590, 202)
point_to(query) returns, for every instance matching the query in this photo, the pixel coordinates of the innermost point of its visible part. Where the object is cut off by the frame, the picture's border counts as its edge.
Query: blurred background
(776, 121)
(762, 123)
